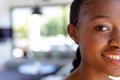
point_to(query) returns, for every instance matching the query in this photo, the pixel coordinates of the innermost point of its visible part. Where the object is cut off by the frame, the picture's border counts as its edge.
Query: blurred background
(34, 44)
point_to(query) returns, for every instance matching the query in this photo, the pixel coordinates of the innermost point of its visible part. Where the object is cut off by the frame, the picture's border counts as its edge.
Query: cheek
(92, 44)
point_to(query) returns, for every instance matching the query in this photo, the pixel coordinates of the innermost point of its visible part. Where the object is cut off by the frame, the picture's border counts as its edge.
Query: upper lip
(111, 51)
(112, 54)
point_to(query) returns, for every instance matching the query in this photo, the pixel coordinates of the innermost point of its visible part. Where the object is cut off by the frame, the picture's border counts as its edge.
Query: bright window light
(18, 53)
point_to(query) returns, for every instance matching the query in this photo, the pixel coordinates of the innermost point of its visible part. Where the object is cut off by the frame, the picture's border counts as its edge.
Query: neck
(87, 72)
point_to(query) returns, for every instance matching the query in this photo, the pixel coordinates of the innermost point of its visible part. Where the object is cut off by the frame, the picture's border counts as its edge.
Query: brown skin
(98, 36)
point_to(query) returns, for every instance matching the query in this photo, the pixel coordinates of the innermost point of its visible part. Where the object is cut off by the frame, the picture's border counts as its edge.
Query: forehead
(102, 4)
(101, 1)
(103, 7)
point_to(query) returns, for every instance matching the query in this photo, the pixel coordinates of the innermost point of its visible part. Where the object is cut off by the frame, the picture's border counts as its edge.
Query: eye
(102, 28)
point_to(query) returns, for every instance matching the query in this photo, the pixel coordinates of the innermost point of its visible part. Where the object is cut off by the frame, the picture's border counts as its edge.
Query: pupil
(100, 28)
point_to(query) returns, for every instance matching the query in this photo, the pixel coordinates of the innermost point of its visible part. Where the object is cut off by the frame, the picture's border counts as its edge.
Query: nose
(114, 43)
(115, 40)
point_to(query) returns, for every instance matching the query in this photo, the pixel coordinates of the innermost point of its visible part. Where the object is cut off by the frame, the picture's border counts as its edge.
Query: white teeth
(115, 57)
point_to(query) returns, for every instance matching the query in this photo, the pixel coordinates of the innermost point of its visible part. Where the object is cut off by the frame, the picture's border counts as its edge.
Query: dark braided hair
(74, 16)
(76, 62)
(74, 11)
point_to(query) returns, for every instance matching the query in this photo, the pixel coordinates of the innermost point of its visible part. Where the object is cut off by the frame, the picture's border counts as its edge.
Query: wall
(5, 43)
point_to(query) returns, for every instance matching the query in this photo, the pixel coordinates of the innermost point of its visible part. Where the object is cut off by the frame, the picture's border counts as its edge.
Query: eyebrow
(100, 16)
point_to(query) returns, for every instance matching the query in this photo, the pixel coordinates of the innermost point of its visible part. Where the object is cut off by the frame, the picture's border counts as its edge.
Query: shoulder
(69, 78)
(73, 76)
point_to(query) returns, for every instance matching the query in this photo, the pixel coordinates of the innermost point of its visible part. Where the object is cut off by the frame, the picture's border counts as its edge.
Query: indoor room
(34, 43)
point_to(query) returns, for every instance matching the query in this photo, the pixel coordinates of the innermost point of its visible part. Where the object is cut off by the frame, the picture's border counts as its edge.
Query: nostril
(114, 43)
(116, 47)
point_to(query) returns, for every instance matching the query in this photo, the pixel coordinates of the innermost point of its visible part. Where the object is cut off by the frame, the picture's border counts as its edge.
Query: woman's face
(98, 35)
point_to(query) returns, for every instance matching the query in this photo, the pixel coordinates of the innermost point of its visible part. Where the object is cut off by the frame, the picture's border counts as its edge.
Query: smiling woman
(96, 30)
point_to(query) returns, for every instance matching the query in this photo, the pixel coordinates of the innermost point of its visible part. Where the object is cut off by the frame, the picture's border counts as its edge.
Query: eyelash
(102, 28)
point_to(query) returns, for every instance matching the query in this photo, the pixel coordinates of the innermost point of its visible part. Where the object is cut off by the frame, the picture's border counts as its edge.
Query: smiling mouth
(113, 57)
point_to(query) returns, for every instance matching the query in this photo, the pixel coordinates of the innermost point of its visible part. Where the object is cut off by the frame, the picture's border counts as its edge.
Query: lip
(112, 58)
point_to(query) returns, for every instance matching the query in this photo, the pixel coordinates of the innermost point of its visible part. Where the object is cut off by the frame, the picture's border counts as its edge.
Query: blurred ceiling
(15, 3)
(6, 5)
